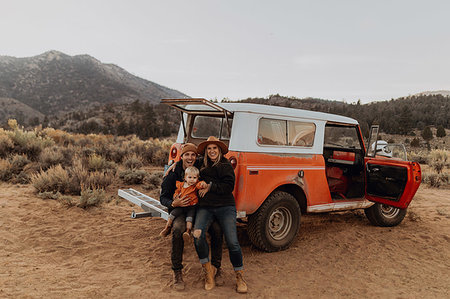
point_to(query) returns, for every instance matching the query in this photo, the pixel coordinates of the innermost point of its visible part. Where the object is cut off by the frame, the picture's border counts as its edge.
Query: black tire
(384, 215)
(274, 226)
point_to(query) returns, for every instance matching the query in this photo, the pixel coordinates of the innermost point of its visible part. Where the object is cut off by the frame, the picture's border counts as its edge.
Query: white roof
(284, 111)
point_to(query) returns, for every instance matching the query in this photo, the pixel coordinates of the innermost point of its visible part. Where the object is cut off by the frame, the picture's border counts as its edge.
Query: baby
(187, 189)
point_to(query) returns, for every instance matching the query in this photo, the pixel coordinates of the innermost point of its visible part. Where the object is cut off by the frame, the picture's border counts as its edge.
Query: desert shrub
(18, 162)
(439, 159)
(133, 161)
(153, 180)
(98, 179)
(160, 157)
(55, 179)
(91, 197)
(115, 153)
(59, 137)
(420, 157)
(29, 143)
(96, 162)
(51, 156)
(415, 142)
(5, 170)
(436, 180)
(81, 176)
(133, 177)
(6, 144)
(21, 178)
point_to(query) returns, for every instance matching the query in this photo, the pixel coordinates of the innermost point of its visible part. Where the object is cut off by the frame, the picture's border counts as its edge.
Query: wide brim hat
(211, 139)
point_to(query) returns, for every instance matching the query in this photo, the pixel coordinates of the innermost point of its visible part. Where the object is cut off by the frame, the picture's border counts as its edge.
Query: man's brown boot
(241, 286)
(210, 271)
(178, 283)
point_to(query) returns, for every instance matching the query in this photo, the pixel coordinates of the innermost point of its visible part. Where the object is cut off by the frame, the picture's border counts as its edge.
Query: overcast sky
(338, 50)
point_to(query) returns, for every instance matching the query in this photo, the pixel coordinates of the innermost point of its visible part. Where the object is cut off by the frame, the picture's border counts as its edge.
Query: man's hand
(180, 202)
(202, 192)
(203, 185)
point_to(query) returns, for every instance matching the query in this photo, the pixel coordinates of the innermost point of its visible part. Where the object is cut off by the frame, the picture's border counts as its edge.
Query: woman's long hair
(207, 162)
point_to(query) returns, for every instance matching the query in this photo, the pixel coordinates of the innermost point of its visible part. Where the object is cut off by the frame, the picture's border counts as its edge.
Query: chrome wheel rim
(389, 212)
(280, 223)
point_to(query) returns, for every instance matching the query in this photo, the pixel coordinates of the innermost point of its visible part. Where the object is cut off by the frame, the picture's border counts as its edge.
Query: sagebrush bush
(96, 162)
(5, 170)
(133, 162)
(153, 180)
(133, 176)
(439, 160)
(6, 144)
(18, 162)
(55, 179)
(160, 157)
(80, 176)
(51, 156)
(91, 197)
(29, 143)
(61, 138)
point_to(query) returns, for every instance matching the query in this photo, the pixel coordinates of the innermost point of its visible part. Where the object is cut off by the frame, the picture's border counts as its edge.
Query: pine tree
(440, 132)
(427, 135)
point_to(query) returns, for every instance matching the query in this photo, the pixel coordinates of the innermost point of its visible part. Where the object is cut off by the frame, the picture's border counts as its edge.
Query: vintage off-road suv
(290, 162)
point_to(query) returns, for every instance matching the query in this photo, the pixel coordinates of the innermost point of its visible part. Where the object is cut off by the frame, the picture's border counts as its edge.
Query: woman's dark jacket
(222, 178)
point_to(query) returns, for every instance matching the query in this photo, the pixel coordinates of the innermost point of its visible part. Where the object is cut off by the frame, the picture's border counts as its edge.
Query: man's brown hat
(211, 139)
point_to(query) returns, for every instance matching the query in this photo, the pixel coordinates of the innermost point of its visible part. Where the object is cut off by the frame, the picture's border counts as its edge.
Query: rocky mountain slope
(54, 83)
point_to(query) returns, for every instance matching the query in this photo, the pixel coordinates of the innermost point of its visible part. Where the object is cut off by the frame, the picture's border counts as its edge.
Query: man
(188, 158)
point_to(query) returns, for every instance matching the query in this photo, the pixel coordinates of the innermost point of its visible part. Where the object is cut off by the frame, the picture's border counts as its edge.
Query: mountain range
(54, 83)
(81, 94)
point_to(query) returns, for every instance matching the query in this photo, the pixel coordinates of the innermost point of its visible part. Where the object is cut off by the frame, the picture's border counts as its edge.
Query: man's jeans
(226, 216)
(179, 227)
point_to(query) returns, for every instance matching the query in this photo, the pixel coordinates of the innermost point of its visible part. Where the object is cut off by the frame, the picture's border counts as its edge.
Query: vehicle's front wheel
(384, 215)
(275, 224)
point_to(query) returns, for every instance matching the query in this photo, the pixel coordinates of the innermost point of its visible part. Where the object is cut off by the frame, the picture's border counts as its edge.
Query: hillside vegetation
(53, 83)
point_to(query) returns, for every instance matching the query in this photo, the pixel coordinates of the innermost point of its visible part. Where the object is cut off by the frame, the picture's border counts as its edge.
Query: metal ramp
(151, 206)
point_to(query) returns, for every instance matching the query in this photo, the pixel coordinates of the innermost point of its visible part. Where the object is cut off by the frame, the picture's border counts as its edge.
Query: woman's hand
(202, 192)
(171, 168)
(180, 202)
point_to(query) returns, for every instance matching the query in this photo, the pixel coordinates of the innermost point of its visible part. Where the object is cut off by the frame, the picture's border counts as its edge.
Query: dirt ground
(47, 250)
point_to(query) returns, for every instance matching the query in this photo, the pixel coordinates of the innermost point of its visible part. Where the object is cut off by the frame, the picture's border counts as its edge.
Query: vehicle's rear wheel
(275, 224)
(384, 215)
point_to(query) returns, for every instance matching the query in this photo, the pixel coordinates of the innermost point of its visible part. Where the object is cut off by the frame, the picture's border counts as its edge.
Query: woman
(217, 202)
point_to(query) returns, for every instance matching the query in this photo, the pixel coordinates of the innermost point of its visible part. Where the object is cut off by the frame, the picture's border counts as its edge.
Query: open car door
(389, 181)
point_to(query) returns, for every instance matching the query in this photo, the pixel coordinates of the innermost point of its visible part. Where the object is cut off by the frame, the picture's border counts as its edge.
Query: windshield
(341, 136)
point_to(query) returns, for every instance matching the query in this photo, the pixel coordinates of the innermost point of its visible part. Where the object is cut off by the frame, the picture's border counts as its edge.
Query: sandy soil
(47, 250)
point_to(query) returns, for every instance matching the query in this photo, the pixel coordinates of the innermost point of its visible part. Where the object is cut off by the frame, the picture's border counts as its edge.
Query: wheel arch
(298, 194)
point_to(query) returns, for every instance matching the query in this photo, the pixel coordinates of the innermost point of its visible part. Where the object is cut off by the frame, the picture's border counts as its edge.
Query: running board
(339, 206)
(151, 206)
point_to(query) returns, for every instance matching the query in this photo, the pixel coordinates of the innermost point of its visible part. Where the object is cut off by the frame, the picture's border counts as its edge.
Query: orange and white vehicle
(290, 162)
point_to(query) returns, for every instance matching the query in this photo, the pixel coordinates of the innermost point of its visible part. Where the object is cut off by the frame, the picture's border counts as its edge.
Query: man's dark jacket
(168, 185)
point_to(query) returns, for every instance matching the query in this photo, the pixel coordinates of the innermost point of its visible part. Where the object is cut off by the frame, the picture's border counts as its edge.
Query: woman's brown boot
(241, 286)
(209, 276)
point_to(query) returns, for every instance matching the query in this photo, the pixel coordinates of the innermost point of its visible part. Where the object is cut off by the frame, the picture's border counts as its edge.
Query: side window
(301, 133)
(283, 132)
(272, 131)
(341, 136)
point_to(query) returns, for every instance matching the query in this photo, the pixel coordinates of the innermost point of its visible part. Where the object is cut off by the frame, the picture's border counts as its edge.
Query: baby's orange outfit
(190, 192)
